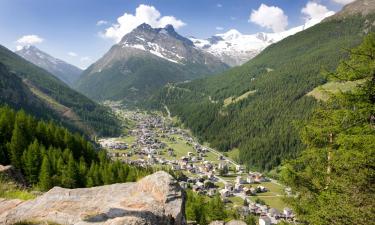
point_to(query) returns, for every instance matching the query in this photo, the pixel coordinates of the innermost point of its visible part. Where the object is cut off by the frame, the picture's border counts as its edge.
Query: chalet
(250, 179)
(264, 220)
(261, 189)
(288, 213)
(238, 187)
(229, 186)
(225, 193)
(246, 191)
(272, 212)
(239, 180)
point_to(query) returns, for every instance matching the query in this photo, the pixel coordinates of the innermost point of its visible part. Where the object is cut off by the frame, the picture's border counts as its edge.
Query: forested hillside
(333, 180)
(49, 155)
(258, 107)
(42, 94)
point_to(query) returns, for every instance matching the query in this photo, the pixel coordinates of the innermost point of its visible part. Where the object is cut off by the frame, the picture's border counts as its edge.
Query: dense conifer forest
(49, 155)
(333, 180)
(265, 124)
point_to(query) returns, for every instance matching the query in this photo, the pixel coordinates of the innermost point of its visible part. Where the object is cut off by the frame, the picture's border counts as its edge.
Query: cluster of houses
(113, 143)
(268, 216)
(204, 173)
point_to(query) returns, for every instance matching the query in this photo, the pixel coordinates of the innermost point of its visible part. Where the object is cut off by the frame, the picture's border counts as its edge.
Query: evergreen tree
(334, 177)
(31, 162)
(45, 175)
(19, 140)
(71, 175)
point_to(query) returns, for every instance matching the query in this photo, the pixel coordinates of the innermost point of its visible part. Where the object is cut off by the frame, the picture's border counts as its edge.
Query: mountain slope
(42, 94)
(235, 48)
(62, 70)
(143, 61)
(263, 123)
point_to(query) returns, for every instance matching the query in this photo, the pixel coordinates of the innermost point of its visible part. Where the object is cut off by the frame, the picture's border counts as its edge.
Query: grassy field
(11, 191)
(232, 100)
(272, 201)
(323, 92)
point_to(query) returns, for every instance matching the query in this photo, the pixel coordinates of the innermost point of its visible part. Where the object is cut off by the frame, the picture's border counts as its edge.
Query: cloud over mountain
(143, 14)
(28, 40)
(270, 17)
(314, 10)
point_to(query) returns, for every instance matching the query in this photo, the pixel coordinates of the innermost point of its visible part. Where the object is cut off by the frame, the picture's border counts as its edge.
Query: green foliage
(144, 75)
(263, 125)
(49, 155)
(203, 209)
(16, 77)
(251, 220)
(334, 177)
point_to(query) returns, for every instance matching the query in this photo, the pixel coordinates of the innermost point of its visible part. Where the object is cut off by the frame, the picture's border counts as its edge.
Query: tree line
(50, 155)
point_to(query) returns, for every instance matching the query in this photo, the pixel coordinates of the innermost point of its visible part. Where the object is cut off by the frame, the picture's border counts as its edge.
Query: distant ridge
(62, 70)
(143, 61)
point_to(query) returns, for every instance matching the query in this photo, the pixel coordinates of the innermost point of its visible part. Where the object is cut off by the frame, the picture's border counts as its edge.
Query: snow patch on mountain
(235, 48)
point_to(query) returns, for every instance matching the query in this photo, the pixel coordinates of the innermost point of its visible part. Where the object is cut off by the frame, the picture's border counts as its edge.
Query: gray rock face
(62, 70)
(155, 200)
(145, 60)
(232, 222)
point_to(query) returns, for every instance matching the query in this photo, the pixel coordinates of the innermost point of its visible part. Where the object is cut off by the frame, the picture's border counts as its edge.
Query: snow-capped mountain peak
(230, 35)
(235, 48)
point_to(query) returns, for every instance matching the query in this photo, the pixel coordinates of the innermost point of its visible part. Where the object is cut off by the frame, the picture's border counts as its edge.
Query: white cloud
(343, 2)
(270, 17)
(219, 28)
(72, 54)
(315, 11)
(219, 5)
(19, 47)
(101, 22)
(143, 14)
(29, 40)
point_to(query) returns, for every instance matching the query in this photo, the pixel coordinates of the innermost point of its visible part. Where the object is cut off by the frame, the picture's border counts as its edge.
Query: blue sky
(70, 26)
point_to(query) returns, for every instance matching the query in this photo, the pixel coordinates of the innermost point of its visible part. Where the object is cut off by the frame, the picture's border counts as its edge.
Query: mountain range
(255, 107)
(29, 87)
(235, 48)
(62, 70)
(143, 61)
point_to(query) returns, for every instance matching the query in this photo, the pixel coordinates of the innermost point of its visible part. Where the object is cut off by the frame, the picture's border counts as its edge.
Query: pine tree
(45, 182)
(31, 161)
(334, 177)
(19, 141)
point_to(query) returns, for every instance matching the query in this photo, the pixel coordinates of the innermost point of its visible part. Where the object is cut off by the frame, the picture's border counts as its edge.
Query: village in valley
(150, 139)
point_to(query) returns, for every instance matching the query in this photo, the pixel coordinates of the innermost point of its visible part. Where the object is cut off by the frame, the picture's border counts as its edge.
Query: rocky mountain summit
(144, 60)
(154, 200)
(235, 48)
(62, 70)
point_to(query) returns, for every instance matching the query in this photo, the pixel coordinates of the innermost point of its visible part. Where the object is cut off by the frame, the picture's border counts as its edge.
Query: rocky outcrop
(155, 200)
(9, 173)
(232, 222)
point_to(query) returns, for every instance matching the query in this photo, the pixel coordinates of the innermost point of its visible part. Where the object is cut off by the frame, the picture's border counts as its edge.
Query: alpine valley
(271, 125)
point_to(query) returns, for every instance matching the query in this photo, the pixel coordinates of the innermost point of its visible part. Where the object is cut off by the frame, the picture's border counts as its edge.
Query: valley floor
(150, 139)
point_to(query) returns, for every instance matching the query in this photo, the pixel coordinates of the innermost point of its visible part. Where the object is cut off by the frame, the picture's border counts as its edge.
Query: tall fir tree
(334, 177)
(31, 162)
(45, 182)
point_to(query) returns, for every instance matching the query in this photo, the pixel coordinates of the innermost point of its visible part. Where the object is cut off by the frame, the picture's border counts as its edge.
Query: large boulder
(154, 200)
(235, 222)
(232, 222)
